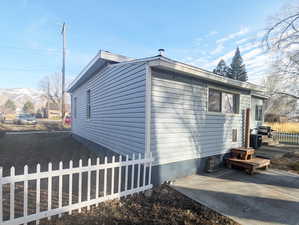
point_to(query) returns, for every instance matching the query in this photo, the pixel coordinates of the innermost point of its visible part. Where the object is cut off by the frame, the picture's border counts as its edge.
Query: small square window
(234, 135)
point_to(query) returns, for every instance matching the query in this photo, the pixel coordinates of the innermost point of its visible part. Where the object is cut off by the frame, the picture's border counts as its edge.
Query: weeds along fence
(288, 138)
(34, 196)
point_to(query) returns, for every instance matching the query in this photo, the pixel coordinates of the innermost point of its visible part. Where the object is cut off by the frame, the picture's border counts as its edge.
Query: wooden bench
(249, 165)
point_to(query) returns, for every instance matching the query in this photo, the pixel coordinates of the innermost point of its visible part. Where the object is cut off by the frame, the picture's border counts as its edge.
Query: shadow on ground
(269, 197)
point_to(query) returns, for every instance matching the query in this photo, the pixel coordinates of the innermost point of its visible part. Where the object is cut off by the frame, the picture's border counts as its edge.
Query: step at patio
(244, 158)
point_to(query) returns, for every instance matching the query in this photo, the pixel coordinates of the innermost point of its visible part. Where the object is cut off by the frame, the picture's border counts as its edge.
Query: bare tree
(51, 88)
(281, 90)
(282, 39)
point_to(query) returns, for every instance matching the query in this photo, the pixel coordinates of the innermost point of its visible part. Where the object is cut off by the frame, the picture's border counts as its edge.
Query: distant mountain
(22, 95)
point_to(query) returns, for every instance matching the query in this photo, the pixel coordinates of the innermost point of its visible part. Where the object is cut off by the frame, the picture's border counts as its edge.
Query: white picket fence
(290, 138)
(126, 176)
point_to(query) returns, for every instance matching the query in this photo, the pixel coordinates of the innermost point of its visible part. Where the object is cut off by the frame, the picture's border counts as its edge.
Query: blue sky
(195, 32)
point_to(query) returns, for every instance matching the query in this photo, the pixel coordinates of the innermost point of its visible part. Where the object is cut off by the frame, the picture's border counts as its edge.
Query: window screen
(258, 113)
(228, 103)
(214, 100)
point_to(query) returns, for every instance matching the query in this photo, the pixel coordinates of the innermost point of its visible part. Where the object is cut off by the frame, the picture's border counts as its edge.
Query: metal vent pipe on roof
(161, 51)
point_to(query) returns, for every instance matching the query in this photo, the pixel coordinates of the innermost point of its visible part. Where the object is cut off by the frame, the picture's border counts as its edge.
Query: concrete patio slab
(269, 197)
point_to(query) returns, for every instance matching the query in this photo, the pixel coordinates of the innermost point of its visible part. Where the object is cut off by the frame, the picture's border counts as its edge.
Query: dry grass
(42, 125)
(287, 127)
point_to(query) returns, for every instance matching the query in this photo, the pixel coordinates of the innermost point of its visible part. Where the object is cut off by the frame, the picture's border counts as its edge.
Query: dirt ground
(282, 156)
(165, 206)
(29, 149)
(289, 162)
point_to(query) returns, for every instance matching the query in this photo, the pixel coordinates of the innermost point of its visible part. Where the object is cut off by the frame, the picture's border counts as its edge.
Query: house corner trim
(148, 105)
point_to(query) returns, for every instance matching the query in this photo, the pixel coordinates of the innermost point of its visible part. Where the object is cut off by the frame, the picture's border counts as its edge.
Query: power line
(27, 69)
(38, 50)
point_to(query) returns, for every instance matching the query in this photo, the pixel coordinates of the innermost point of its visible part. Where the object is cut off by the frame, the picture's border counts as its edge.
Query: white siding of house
(117, 108)
(182, 128)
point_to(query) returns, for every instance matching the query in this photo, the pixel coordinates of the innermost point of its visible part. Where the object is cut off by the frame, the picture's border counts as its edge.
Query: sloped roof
(99, 61)
(104, 58)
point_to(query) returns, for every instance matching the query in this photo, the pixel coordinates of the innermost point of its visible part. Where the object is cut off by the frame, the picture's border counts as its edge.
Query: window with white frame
(214, 100)
(222, 101)
(88, 106)
(258, 112)
(234, 135)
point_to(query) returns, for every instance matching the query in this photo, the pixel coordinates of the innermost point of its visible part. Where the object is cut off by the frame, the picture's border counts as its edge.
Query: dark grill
(265, 130)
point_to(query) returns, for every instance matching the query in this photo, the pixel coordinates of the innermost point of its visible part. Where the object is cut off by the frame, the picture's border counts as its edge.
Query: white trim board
(148, 111)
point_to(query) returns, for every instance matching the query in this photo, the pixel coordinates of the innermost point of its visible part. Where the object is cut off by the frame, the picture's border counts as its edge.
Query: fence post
(60, 188)
(25, 192)
(80, 184)
(119, 175)
(105, 177)
(12, 194)
(49, 188)
(112, 175)
(126, 176)
(144, 171)
(97, 178)
(71, 186)
(138, 176)
(150, 169)
(1, 203)
(37, 191)
(88, 182)
(133, 168)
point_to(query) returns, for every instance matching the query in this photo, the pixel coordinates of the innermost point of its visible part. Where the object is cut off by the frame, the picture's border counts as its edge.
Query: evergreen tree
(9, 106)
(237, 69)
(221, 69)
(28, 107)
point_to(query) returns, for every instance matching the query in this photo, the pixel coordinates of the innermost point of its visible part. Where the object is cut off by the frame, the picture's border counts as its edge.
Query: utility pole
(48, 98)
(63, 32)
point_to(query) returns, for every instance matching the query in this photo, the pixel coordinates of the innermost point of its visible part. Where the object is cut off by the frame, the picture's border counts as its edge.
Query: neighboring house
(180, 113)
(53, 110)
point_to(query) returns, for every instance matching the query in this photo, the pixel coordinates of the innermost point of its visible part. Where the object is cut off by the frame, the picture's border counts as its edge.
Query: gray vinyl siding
(254, 102)
(117, 119)
(181, 127)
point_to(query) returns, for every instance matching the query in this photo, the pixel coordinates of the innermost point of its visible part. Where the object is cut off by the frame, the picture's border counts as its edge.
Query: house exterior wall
(117, 99)
(254, 102)
(182, 129)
